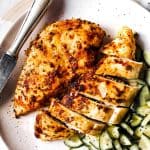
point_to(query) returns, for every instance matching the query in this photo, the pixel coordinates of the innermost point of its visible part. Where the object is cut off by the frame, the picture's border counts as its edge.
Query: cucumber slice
(93, 148)
(135, 120)
(144, 95)
(74, 141)
(105, 141)
(134, 147)
(143, 110)
(139, 131)
(146, 55)
(147, 130)
(148, 103)
(91, 141)
(146, 120)
(127, 128)
(80, 148)
(144, 128)
(124, 140)
(117, 145)
(128, 117)
(148, 77)
(113, 132)
(144, 143)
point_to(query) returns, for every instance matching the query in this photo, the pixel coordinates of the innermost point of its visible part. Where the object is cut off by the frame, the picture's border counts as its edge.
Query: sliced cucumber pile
(133, 133)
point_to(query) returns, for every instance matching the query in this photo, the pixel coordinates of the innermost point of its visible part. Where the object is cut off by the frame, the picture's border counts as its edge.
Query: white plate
(18, 134)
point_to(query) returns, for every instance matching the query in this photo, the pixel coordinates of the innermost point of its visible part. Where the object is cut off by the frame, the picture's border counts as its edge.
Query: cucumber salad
(133, 133)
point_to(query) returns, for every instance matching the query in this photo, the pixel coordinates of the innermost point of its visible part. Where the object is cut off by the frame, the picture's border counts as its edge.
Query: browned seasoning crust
(62, 50)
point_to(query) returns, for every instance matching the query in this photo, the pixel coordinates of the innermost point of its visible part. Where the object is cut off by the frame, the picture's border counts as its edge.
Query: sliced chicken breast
(74, 120)
(119, 67)
(123, 45)
(87, 107)
(48, 128)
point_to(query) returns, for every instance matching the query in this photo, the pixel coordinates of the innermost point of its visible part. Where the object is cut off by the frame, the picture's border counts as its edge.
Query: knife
(9, 59)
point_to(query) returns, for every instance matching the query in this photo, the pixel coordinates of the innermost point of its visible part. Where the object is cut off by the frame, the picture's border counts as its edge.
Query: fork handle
(32, 18)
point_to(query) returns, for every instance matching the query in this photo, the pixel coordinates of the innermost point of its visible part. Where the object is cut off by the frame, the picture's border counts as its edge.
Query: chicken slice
(87, 107)
(62, 51)
(119, 67)
(74, 120)
(106, 90)
(91, 109)
(48, 128)
(123, 45)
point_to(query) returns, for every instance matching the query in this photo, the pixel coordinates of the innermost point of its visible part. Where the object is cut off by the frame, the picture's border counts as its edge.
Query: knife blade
(7, 64)
(9, 59)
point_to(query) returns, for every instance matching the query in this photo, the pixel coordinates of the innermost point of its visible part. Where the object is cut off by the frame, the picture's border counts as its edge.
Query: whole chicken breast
(62, 51)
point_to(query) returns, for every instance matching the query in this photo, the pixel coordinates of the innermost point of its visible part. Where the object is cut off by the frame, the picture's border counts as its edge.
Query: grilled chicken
(93, 110)
(48, 128)
(74, 120)
(95, 100)
(62, 51)
(106, 90)
(87, 107)
(122, 46)
(66, 50)
(119, 67)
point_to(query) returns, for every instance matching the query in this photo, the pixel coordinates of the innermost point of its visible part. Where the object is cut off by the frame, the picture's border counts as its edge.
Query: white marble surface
(7, 4)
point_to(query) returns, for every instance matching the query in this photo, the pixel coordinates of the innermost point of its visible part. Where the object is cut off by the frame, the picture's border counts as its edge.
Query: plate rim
(22, 15)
